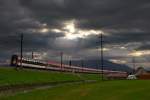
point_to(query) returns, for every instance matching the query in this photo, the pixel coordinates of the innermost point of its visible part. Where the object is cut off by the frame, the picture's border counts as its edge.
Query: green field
(100, 90)
(107, 90)
(10, 76)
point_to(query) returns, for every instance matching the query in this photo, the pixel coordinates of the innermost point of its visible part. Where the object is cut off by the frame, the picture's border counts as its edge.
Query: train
(47, 65)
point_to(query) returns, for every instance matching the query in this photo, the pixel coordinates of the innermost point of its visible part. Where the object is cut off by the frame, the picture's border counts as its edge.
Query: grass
(107, 90)
(90, 76)
(9, 76)
(101, 90)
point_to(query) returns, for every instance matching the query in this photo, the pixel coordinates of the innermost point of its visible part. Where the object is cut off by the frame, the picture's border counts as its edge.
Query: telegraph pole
(102, 64)
(21, 49)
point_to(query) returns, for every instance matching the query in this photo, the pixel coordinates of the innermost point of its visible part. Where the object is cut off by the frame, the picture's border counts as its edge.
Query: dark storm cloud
(93, 13)
(125, 21)
(127, 36)
(16, 19)
(97, 14)
(117, 14)
(11, 13)
(145, 46)
(121, 37)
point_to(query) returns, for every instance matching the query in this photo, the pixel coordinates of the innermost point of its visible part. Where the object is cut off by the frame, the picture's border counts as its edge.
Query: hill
(107, 65)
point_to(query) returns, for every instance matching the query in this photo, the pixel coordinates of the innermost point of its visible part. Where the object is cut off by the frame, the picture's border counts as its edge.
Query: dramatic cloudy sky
(73, 27)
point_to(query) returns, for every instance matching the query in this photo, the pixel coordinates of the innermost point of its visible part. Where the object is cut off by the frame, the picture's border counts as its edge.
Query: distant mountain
(96, 64)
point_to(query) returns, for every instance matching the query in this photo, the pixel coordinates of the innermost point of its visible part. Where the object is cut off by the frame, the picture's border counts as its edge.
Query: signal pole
(21, 49)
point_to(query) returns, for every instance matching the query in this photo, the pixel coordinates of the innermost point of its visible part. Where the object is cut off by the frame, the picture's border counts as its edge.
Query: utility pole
(102, 64)
(61, 56)
(32, 55)
(21, 49)
(82, 64)
(133, 61)
(70, 64)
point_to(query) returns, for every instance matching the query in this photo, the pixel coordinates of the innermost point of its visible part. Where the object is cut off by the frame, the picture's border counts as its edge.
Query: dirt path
(23, 88)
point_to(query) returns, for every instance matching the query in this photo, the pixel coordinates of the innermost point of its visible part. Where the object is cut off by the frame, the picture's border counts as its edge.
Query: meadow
(97, 90)
(10, 76)
(106, 90)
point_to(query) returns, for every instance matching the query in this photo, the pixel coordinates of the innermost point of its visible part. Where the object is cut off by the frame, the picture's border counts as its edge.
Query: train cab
(14, 60)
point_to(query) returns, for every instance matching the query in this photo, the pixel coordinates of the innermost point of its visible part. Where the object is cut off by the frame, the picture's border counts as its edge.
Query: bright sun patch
(71, 32)
(140, 53)
(70, 26)
(118, 61)
(44, 30)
